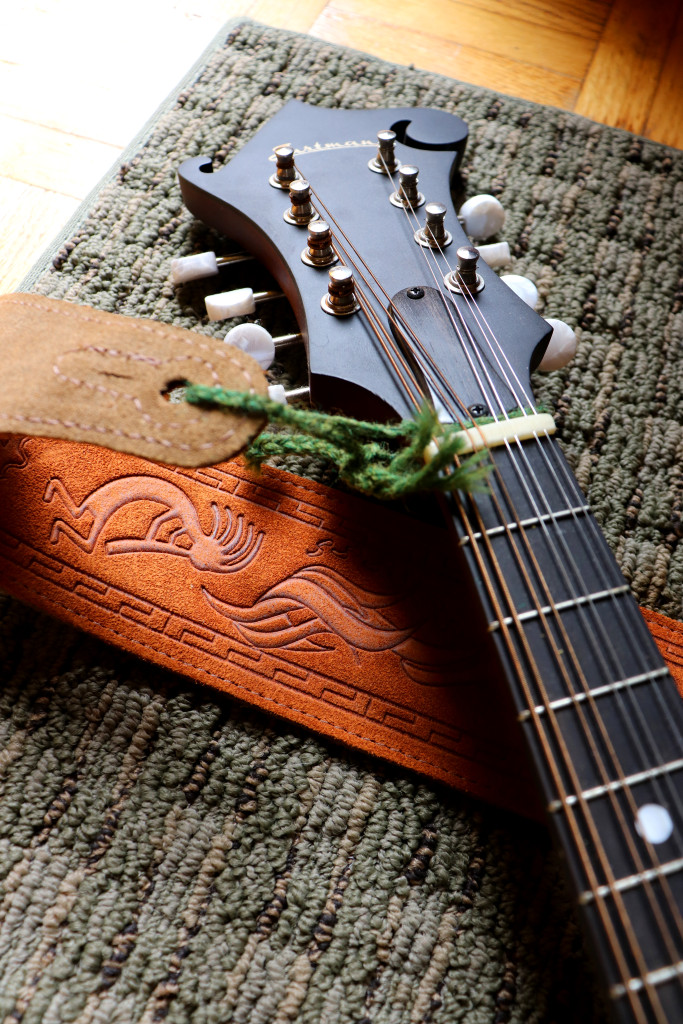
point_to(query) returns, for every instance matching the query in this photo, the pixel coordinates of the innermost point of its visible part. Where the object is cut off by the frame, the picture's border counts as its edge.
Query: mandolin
(396, 310)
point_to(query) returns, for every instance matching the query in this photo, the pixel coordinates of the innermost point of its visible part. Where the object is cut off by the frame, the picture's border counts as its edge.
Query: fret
(628, 735)
(657, 977)
(627, 780)
(621, 884)
(597, 691)
(560, 606)
(645, 900)
(529, 523)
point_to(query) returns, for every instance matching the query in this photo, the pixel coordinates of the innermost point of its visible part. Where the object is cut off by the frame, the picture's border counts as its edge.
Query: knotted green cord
(365, 454)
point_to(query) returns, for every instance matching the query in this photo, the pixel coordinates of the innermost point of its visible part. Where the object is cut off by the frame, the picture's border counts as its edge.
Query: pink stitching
(185, 336)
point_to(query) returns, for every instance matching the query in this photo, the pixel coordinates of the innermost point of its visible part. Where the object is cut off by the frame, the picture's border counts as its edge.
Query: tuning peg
(301, 211)
(277, 393)
(482, 216)
(285, 170)
(259, 343)
(255, 340)
(239, 302)
(496, 254)
(434, 235)
(561, 347)
(385, 161)
(523, 287)
(202, 264)
(407, 195)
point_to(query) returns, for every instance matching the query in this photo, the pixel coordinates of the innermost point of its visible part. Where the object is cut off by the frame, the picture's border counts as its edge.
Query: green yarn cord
(385, 461)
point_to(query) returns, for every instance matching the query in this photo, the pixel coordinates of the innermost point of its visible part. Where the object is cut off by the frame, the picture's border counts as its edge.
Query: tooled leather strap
(327, 610)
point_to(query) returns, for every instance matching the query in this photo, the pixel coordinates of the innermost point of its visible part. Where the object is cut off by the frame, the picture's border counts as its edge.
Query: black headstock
(348, 369)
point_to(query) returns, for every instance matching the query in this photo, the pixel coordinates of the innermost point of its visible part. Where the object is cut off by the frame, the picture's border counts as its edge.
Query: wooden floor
(76, 83)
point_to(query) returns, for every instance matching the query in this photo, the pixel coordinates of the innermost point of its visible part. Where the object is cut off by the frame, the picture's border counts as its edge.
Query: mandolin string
(597, 717)
(358, 263)
(482, 332)
(523, 481)
(607, 924)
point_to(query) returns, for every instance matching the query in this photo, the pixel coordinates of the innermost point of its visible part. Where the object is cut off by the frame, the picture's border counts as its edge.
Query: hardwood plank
(436, 54)
(298, 17)
(622, 79)
(664, 121)
(580, 17)
(458, 24)
(29, 219)
(50, 159)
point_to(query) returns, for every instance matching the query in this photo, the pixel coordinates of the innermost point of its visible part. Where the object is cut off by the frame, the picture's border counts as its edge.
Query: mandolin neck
(600, 713)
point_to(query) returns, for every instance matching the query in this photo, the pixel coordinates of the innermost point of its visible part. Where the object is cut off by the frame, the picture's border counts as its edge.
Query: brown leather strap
(330, 611)
(82, 374)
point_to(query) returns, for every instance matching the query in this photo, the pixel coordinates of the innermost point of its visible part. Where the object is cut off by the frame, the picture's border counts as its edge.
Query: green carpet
(168, 855)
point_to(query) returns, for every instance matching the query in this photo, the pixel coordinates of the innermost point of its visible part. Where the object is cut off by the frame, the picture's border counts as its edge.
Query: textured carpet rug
(168, 855)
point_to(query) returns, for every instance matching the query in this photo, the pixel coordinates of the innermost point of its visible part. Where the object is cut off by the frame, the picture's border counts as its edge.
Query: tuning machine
(434, 235)
(319, 251)
(285, 171)
(465, 279)
(385, 162)
(203, 264)
(301, 212)
(482, 216)
(407, 195)
(340, 298)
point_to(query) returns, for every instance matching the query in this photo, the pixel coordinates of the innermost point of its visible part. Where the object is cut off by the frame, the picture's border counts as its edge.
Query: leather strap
(82, 374)
(330, 611)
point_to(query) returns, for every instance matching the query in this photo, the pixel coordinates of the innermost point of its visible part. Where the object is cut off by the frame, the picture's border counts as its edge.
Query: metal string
(504, 413)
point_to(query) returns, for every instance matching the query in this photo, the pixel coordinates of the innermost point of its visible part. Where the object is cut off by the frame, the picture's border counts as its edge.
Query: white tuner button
(277, 393)
(202, 264)
(239, 302)
(482, 216)
(561, 347)
(255, 341)
(497, 254)
(189, 268)
(523, 287)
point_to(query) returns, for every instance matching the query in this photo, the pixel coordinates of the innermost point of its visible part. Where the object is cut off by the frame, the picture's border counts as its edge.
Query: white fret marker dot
(654, 823)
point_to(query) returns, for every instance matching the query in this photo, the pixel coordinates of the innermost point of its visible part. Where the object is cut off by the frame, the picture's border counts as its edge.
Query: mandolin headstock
(349, 368)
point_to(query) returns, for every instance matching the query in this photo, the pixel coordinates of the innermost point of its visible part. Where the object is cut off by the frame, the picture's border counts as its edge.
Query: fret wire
(597, 691)
(652, 978)
(561, 606)
(627, 781)
(495, 531)
(631, 881)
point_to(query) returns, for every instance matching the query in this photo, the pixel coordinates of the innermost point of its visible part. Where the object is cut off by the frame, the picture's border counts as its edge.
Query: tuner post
(407, 196)
(319, 251)
(285, 171)
(340, 299)
(385, 162)
(465, 278)
(301, 211)
(434, 235)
